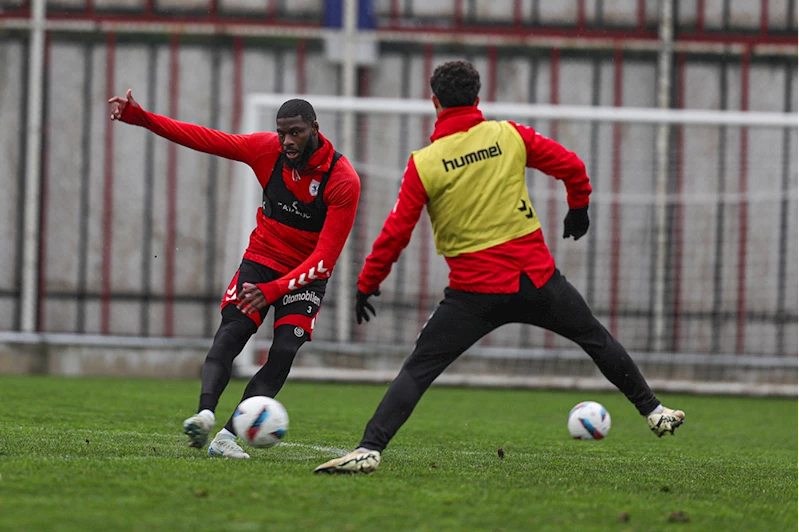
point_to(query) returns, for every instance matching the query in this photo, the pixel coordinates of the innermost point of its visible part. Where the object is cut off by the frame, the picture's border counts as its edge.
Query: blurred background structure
(118, 244)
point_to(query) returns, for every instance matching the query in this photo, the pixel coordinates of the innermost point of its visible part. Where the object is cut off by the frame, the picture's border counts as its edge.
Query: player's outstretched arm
(207, 140)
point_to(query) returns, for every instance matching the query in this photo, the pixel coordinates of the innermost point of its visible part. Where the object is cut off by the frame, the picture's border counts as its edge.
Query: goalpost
(680, 238)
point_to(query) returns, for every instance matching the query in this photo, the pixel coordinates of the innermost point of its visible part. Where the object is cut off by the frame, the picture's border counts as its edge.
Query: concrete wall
(115, 278)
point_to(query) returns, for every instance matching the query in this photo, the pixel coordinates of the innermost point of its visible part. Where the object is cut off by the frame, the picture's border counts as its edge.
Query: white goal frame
(249, 190)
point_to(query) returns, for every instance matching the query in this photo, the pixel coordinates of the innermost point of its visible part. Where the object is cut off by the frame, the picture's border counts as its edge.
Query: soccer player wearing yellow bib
(472, 181)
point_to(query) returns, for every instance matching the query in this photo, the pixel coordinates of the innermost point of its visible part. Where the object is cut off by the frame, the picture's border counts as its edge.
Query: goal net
(691, 259)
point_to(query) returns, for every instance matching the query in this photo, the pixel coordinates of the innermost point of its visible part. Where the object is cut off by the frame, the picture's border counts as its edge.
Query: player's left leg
(559, 307)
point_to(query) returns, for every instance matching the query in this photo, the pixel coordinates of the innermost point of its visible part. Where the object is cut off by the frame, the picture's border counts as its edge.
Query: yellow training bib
(475, 184)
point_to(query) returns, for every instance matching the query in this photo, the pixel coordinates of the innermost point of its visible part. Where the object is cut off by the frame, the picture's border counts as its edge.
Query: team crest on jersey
(314, 188)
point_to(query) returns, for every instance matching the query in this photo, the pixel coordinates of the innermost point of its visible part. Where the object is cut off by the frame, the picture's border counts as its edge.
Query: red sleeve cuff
(368, 288)
(133, 115)
(270, 291)
(578, 203)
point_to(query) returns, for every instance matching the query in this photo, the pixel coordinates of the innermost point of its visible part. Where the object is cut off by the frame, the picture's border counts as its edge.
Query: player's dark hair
(455, 84)
(297, 107)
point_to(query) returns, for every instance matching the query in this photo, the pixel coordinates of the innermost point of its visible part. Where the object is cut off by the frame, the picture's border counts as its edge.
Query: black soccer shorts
(298, 308)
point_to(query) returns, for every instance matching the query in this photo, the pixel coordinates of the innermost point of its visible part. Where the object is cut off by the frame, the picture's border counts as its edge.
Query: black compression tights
(272, 376)
(230, 339)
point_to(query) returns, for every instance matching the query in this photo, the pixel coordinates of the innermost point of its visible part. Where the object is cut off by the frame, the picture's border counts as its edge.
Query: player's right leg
(198, 427)
(460, 320)
(231, 337)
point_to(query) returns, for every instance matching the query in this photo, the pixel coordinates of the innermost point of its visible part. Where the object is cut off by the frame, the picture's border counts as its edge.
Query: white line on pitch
(321, 449)
(78, 432)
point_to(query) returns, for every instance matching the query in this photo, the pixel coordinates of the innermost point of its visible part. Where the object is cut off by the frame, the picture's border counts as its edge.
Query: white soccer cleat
(358, 461)
(197, 428)
(225, 446)
(665, 421)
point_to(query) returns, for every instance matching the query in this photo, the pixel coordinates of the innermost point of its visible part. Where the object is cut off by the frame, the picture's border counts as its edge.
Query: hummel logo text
(473, 157)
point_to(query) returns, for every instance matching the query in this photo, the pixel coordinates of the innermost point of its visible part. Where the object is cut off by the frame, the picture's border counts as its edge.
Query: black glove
(576, 223)
(362, 305)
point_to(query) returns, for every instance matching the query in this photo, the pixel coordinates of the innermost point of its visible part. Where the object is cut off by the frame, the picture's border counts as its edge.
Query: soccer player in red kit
(310, 195)
(472, 181)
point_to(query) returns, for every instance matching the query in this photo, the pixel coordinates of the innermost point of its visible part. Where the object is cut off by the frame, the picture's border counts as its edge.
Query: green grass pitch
(108, 454)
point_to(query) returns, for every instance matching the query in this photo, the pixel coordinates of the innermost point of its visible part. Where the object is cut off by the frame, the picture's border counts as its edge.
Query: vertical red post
(517, 13)
(763, 17)
(238, 81)
(458, 10)
(743, 187)
(271, 10)
(108, 191)
(493, 60)
(238, 96)
(679, 208)
(171, 191)
(641, 15)
(302, 54)
(395, 12)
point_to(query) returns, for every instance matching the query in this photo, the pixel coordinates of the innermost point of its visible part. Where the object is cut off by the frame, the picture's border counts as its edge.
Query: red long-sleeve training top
(291, 252)
(496, 269)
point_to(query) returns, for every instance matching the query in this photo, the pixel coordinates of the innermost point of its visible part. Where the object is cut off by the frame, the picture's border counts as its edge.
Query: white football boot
(665, 421)
(358, 461)
(197, 428)
(225, 445)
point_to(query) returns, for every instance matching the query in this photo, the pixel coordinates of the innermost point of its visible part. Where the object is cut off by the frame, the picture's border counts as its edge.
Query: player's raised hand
(118, 104)
(251, 298)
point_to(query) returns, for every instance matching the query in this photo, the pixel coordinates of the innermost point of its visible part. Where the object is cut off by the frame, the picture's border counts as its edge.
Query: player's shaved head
(297, 107)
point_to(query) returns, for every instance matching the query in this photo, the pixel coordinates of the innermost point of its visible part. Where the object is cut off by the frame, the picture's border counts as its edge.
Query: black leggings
(230, 339)
(463, 318)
